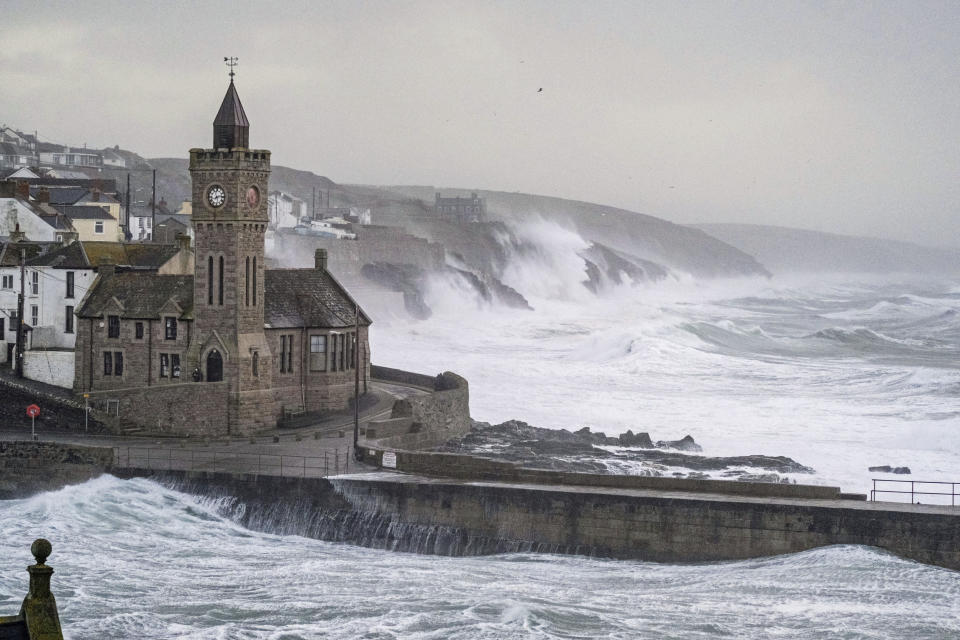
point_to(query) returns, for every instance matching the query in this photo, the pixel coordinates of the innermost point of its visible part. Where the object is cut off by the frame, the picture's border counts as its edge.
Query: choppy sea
(839, 373)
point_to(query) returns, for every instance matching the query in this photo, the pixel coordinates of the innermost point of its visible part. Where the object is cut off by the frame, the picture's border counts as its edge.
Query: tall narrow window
(164, 365)
(34, 315)
(35, 283)
(118, 363)
(318, 353)
(107, 363)
(138, 328)
(69, 284)
(113, 326)
(256, 364)
(220, 292)
(174, 365)
(210, 280)
(343, 339)
(68, 320)
(246, 282)
(254, 282)
(170, 328)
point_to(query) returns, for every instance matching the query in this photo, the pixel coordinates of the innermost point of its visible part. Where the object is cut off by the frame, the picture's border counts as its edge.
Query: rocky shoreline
(630, 453)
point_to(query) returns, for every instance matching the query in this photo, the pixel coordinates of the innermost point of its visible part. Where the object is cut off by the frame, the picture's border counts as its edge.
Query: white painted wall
(52, 367)
(53, 303)
(12, 211)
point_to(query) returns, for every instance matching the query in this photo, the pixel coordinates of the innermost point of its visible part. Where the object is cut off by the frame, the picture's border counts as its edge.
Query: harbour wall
(28, 467)
(469, 517)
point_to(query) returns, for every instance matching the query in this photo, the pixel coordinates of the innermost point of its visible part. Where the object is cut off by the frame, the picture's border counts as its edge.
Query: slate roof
(10, 252)
(231, 112)
(132, 254)
(142, 295)
(61, 195)
(307, 298)
(84, 212)
(71, 256)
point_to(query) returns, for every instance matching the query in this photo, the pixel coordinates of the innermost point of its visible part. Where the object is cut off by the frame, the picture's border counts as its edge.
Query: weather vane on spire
(231, 62)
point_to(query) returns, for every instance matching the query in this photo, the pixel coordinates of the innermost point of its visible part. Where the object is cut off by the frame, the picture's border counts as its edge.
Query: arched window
(214, 366)
(210, 280)
(246, 282)
(221, 281)
(256, 364)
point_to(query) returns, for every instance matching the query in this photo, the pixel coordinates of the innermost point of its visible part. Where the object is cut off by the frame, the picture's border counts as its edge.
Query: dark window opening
(113, 326)
(256, 364)
(246, 282)
(68, 320)
(175, 365)
(107, 363)
(138, 328)
(69, 284)
(118, 363)
(164, 365)
(220, 292)
(254, 282)
(210, 280)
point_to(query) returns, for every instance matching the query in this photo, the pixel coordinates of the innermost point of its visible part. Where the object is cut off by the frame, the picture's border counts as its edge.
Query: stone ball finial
(41, 549)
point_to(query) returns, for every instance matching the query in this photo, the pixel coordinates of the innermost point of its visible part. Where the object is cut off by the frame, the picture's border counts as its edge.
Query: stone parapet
(432, 418)
(28, 467)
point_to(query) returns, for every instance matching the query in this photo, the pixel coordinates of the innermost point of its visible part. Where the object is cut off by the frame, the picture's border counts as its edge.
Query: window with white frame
(35, 283)
(318, 353)
(98, 226)
(6, 282)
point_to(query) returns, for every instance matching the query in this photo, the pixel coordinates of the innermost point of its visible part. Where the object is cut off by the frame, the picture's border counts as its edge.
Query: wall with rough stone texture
(191, 408)
(51, 367)
(435, 417)
(28, 467)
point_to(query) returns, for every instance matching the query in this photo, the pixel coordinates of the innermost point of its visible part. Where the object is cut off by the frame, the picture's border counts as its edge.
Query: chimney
(106, 269)
(320, 259)
(183, 240)
(43, 195)
(17, 235)
(95, 195)
(23, 190)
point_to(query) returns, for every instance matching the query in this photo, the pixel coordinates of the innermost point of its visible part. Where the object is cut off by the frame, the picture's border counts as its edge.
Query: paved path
(319, 449)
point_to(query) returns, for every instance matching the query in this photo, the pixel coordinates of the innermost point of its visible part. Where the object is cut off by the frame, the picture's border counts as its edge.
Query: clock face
(253, 197)
(216, 196)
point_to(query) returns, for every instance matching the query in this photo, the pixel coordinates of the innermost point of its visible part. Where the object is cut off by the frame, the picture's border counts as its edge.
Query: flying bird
(540, 90)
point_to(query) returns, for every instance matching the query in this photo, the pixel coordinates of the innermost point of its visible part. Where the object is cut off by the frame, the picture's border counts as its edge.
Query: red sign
(33, 411)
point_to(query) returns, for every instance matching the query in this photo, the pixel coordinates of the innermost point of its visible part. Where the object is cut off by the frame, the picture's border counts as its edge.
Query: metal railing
(330, 463)
(917, 489)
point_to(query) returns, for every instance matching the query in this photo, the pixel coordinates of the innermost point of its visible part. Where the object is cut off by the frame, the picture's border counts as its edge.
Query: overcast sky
(823, 115)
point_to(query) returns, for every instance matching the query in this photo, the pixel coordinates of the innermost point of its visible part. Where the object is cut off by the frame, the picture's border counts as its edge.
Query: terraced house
(233, 347)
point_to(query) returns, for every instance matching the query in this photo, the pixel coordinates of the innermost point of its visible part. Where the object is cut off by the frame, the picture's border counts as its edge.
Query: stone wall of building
(54, 367)
(28, 467)
(198, 409)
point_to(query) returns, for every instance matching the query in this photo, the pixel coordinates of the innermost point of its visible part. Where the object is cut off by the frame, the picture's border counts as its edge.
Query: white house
(14, 211)
(285, 210)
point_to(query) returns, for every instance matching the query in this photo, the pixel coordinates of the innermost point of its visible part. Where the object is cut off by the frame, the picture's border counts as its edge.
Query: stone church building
(236, 346)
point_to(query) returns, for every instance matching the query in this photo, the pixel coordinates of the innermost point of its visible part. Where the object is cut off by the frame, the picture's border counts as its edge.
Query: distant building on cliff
(233, 347)
(457, 209)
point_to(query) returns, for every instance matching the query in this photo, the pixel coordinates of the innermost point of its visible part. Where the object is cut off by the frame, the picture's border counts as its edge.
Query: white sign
(389, 460)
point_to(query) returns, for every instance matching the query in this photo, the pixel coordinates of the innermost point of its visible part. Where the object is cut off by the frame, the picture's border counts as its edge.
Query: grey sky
(825, 115)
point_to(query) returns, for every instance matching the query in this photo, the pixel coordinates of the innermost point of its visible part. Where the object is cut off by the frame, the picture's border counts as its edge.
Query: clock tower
(230, 186)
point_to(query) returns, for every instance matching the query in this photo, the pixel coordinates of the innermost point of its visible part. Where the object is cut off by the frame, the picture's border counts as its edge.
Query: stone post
(39, 608)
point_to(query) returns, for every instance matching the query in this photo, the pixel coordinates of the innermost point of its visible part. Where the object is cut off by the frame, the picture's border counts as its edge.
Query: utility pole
(153, 209)
(356, 380)
(20, 308)
(36, 147)
(127, 226)
(313, 212)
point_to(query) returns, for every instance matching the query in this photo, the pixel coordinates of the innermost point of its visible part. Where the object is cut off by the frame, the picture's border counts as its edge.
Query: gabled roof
(84, 212)
(307, 298)
(10, 252)
(132, 254)
(140, 295)
(231, 112)
(71, 256)
(61, 195)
